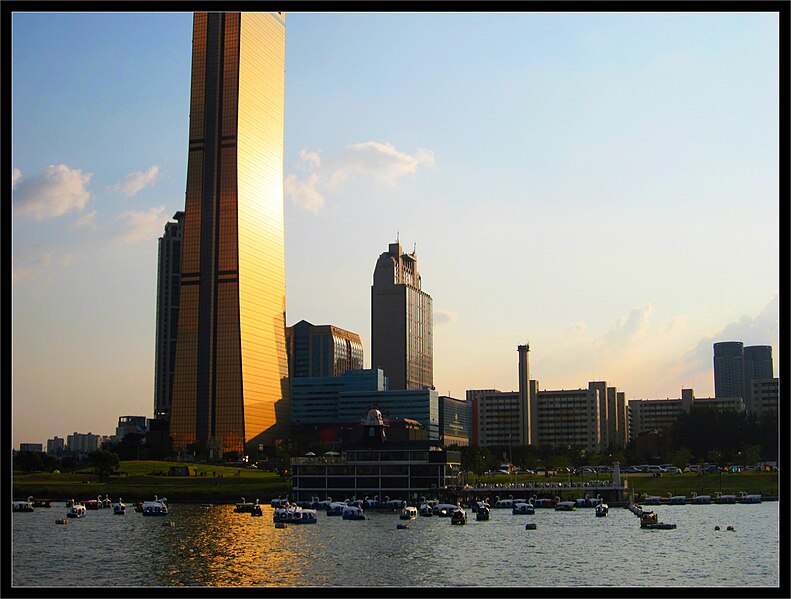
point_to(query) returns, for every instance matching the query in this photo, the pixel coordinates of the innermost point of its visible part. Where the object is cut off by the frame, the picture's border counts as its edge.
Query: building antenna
(414, 247)
(398, 236)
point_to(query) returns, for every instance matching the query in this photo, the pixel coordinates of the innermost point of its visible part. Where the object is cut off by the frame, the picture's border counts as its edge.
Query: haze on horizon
(602, 186)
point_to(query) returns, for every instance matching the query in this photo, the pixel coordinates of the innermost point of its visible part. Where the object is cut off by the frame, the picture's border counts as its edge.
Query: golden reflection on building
(230, 388)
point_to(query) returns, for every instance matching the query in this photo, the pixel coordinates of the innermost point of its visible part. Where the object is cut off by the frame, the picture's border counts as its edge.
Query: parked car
(673, 470)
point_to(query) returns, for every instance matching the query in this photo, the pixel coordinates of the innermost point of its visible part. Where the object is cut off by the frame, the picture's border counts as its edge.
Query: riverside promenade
(613, 494)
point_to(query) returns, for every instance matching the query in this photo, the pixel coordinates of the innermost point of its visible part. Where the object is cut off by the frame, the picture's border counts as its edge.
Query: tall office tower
(401, 329)
(168, 286)
(230, 390)
(524, 392)
(322, 350)
(729, 369)
(757, 366)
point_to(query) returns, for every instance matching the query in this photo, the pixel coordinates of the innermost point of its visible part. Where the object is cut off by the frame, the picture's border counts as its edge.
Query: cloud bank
(141, 225)
(56, 191)
(134, 182)
(377, 161)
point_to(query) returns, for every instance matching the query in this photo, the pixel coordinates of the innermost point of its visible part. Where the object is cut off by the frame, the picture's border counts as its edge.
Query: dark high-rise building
(736, 367)
(729, 369)
(322, 350)
(401, 321)
(230, 388)
(757, 366)
(168, 285)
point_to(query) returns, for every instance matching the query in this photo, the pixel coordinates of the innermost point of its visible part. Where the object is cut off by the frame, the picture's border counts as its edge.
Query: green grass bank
(207, 483)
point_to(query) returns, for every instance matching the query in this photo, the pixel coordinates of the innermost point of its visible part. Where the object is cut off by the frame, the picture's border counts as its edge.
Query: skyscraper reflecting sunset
(230, 387)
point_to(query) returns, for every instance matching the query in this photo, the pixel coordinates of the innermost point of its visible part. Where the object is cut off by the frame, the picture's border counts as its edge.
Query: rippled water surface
(214, 546)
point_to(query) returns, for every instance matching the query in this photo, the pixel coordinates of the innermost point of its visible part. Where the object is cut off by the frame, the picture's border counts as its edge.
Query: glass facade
(231, 374)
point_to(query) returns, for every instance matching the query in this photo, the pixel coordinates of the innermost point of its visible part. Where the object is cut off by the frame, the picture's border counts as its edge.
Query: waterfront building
(505, 417)
(56, 446)
(79, 443)
(230, 386)
(570, 418)
(454, 421)
(765, 396)
(322, 350)
(401, 321)
(496, 418)
(168, 286)
(375, 465)
(612, 415)
(130, 425)
(37, 447)
(661, 414)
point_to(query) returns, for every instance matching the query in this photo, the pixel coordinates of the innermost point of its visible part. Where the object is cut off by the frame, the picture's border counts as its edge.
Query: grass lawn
(141, 480)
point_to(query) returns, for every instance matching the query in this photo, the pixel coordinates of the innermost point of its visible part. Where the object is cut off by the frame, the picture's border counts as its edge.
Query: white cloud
(56, 191)
(373, 160)
(312, 158)
(134, 182)
(304, 193)
(15, 175)
(141, 225)
(444, 317)
(87, 221)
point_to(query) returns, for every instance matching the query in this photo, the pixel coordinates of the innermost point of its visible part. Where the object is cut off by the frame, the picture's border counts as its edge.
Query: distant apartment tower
(401, 321)
(661, 414)
(757, 366)
(569, 418)
(765, 396)
(612, 415)
(497, 417)
(454, 421)
(230, 385)
(168, 285)
(56, 446)
(322, 350)
(37, 447)
(81, 443)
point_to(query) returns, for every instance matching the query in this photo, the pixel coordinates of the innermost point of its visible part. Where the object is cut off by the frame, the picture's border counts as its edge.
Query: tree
(29, 461)
(104, 463)
(681, 457)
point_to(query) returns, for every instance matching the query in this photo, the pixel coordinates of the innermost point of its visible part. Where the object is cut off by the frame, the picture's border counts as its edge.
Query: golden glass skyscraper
(230, 388)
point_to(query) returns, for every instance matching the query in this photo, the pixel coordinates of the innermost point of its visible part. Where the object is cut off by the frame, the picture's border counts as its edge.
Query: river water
(215, 546)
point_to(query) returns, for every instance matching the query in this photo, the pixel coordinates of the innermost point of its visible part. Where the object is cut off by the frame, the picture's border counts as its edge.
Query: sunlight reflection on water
(215, 546)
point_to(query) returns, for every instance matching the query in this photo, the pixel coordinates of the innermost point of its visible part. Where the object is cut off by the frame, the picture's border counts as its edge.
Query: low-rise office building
(347, 399)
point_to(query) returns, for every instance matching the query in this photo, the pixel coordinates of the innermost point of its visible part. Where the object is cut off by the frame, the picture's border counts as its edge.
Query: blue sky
(604, 186)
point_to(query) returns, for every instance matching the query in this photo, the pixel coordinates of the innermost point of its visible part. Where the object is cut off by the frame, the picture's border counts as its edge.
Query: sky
(602, 186)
